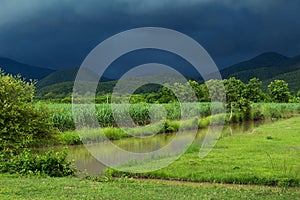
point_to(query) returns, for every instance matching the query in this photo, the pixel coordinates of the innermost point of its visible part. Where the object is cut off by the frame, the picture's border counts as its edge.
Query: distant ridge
(264, 66)
(28, 71)
(67, 75)
(264, 60)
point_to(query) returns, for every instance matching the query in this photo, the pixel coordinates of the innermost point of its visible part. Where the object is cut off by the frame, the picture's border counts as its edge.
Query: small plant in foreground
(51, 163)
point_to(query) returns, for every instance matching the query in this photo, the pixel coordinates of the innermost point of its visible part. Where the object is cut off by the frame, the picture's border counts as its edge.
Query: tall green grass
(63, 119)
(274, 110)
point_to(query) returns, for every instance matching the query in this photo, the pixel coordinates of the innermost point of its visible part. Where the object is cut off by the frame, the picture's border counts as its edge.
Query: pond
(86, 163)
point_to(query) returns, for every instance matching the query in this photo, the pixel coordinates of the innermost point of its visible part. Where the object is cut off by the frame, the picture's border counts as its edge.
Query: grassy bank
(14, 187)
(94, 135)
(268, 155)
(62, 119)
(259, 112)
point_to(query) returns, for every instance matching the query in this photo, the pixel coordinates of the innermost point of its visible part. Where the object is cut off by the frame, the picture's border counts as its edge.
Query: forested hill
(266, 66)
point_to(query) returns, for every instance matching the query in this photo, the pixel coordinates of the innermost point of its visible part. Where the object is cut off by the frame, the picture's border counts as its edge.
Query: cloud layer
(60, 33)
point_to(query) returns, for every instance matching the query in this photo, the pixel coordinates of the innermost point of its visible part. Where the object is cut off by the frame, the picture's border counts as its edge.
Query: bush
(26, 162)
(24, 124)
(171, 126)
(21, 121)
(68, 138)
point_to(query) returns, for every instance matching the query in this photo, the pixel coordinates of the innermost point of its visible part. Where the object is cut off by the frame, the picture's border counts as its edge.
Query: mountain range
(27, 71)
(266, 66)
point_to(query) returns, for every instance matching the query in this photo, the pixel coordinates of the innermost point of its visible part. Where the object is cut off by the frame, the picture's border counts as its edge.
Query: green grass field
(268, 155)
(14, 187)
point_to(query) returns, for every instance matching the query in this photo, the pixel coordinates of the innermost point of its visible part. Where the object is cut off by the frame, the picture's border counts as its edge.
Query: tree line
(231, 90)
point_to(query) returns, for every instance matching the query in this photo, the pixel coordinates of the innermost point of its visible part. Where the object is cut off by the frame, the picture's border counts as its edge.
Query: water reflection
(84, 161)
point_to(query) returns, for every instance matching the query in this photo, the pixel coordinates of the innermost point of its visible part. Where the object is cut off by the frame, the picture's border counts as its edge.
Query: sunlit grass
(14, 187)
(268, 155)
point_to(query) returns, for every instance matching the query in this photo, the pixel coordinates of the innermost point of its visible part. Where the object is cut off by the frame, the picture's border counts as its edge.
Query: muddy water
(85, 162)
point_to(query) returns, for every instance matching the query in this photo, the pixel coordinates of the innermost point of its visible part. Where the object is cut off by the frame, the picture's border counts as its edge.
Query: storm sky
(60, 33)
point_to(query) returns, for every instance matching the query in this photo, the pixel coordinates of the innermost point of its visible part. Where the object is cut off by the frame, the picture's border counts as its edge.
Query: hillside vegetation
(267, 67)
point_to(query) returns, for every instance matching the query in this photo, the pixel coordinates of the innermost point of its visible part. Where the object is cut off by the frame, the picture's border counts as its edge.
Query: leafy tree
(21, 121)
(243, 105)
(166, 95)
(279, 91)
(252, 91)
(185, 92)
(235, 97)
(216, 90)
(203, 95)
(234, 89)
(152, 98)
(196, 88)
(137, 98)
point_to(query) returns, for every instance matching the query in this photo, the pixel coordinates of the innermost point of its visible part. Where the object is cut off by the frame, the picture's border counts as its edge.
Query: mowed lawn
(267, 155)
(14, 187)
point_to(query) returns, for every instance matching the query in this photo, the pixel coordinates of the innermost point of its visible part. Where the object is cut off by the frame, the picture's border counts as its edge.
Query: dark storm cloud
(60, 33)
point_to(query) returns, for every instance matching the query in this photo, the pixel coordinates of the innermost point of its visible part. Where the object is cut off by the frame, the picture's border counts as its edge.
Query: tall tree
(166, 95)
(216, 90)
(235, 97)
(279, 91)
(234, 89)
(253, 92)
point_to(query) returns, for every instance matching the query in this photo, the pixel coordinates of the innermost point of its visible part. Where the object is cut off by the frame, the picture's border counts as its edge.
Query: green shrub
(24, 124)
(171, 126)
(204, 122)
(26, 162)
(114, 133)
(69, 138)
(21, 121)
